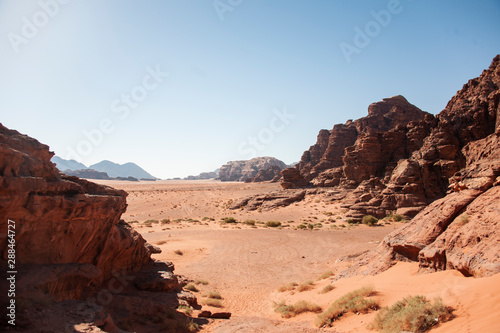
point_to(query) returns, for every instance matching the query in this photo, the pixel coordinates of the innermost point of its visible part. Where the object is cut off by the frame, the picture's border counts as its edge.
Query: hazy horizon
(182, 87)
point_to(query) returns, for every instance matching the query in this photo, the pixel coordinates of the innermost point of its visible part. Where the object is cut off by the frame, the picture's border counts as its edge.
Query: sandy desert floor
(247, 264)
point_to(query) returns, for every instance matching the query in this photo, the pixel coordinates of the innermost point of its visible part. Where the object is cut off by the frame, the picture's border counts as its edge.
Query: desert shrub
(205, 218)
(191, 287)
(395, 217)
(356, 301)
(325, 275)
(178, 252)
(302, 226)
(213, 295)
(202, 282)
(165, 221)
(249, 222)
(318, 225)
(188, 326)
(414, 314)
(288, 311)
(186, 309)
(273, 224)
(351, 221)
(369, 220)
(463, 219)
(287, 287)
(213, 302)
(310, 226)
(328, 213)
(305, 286)
(151, 221)
(326, 289)
(229, 220)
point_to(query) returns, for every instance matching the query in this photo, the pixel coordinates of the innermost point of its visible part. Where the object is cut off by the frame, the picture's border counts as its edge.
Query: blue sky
(183, 86)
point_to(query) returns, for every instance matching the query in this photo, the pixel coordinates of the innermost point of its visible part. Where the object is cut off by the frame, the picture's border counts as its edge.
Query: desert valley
(387, 223)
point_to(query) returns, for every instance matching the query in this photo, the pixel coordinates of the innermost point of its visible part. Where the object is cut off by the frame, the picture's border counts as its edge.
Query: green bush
(229, 220)
(369, 220)
(414, 314)
(273, 224)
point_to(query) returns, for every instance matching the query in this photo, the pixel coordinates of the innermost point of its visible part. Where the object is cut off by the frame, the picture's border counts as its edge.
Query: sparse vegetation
(288, 287)
(273, 224)
(186, 309)
(249, 222)
(325, 275)
(413, 314)
(191, 287)
(229, 220)
(178, 252)
(165, 221)
(369, 220)
(288, 311)
(395, 218)
(305, 286)
(213, 302)
(327, 288)
(213, 295)
(463, 219)
(351, 221)
(302, 226)
(202, 282)
(356, 301)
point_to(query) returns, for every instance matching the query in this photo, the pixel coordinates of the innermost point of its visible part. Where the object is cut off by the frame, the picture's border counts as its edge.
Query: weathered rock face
(269, 174)
(62, 220)
(459, 161)
(409, 155)
(87, 173)
(243, 170)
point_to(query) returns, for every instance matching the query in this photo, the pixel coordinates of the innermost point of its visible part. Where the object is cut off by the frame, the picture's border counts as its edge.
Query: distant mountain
(63, 164)
(121, 170)
(204, 175)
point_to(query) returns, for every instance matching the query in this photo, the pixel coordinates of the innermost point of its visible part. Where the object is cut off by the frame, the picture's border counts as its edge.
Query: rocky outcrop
(63, 220)
(460, 161)
(203, 175)
(79, 267)
(403, 156)
(271, 173)
(247, 169)
(87, 173)
(270, 201)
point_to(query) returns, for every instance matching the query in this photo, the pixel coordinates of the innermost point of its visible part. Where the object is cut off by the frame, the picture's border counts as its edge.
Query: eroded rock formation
(247, 169)
(71, 248)
(402, 156)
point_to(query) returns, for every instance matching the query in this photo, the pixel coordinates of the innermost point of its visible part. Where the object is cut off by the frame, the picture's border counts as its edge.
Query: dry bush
(413, 314)
(287, 287)
(326, 289)
(213, 302)
(191, 287)
(356, 301)
(200, 281)
(369, 220)
(213, 295)
(273, 224)
(325, 275)
(305, 286)
(288, 311)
